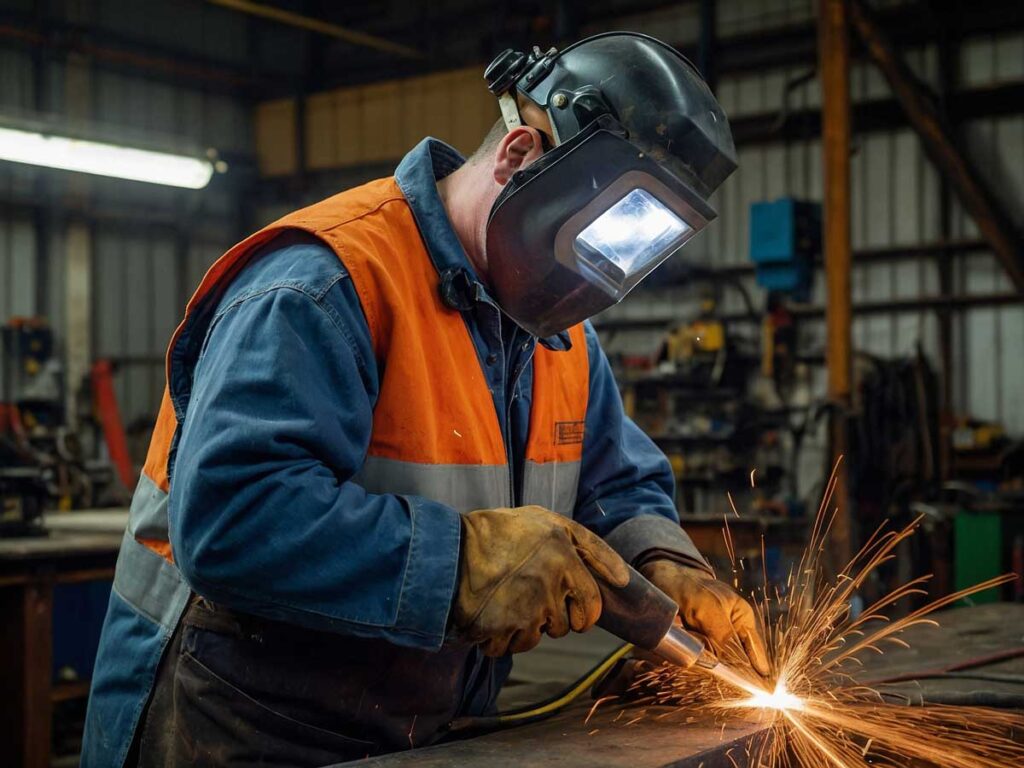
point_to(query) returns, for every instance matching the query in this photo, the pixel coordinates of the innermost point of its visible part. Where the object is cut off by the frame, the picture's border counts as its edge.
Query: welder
(391, 452)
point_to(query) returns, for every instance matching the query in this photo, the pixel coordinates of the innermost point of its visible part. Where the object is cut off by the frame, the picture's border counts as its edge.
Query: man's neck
(467, 194)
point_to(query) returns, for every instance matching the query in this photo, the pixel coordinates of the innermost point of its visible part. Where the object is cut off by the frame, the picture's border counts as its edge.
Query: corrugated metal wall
(895, 203)
(150, 244)
(144, 271)
(17, 233)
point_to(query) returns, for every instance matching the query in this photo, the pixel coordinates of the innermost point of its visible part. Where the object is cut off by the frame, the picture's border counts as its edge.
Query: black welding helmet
(640, 145)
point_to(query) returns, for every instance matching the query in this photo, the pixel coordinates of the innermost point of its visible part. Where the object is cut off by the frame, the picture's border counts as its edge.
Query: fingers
(599, 557)
(558, 624)
(756, 652)
(494, 647)
(749, 633)
(712, 621)
(524, 640)
(512, 641)
(582, 599)
(716, 610)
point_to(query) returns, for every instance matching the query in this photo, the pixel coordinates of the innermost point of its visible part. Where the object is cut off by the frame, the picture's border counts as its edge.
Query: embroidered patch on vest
(568, 432)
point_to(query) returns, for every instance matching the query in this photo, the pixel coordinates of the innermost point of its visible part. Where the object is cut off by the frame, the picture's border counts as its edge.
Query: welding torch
(638, 613)
(643, 615)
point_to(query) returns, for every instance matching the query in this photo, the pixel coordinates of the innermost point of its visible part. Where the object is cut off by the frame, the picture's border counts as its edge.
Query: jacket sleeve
(264, 515)
(626, 484)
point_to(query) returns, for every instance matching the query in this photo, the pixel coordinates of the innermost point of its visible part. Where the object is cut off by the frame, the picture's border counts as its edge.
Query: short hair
(490, 142)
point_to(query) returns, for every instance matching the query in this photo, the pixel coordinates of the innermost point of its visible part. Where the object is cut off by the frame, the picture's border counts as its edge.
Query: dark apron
(236, 690)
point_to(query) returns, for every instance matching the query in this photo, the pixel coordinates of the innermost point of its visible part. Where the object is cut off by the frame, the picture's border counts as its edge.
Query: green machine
(988, 542)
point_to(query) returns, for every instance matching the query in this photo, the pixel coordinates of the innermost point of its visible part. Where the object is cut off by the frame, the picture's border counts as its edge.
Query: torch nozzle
(683, 649)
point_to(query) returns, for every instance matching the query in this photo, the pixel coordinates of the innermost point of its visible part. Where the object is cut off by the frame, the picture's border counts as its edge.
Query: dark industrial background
(311, 97)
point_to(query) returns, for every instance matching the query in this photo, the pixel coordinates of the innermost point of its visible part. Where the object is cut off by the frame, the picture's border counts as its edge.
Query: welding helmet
(639, 144)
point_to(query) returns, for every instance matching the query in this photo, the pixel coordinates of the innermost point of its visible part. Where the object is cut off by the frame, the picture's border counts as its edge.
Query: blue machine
(785, 236)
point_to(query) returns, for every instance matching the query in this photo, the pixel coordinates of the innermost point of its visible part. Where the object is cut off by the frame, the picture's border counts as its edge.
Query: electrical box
(785, 236)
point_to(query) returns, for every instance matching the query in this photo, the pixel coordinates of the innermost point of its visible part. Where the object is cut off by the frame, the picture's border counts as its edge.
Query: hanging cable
(534, 712)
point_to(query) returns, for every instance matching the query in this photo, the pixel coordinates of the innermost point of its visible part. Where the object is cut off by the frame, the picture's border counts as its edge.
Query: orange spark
(819, 715)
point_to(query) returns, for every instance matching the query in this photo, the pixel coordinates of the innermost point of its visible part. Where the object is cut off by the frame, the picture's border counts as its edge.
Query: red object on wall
(105, 402)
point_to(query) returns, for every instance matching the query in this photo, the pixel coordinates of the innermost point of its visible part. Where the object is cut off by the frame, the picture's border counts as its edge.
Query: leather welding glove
(528, 571)
(712, 608)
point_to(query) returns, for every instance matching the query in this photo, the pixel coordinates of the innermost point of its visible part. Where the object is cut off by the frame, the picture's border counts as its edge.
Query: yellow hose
(583, 684)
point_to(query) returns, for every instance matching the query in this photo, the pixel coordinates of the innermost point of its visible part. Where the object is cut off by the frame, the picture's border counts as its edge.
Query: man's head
(503, 152)
(470, 192)
(599, 169)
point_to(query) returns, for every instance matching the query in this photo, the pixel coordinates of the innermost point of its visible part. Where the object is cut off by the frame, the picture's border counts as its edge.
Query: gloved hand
(527, 571)
(712, 608)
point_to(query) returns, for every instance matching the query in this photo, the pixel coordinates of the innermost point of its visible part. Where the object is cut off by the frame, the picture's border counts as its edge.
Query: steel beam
(917, 305)
(932, 127)
(123, 54)
(319, 26)
(875, 115)
(794, 45)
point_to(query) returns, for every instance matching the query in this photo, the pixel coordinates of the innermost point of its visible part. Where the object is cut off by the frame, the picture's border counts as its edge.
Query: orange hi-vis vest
(435, 430)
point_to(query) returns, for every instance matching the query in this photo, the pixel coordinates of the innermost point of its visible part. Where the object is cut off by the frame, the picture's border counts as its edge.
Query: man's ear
(520, 147)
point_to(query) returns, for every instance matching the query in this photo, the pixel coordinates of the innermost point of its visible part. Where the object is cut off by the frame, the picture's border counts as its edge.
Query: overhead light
(104, 159)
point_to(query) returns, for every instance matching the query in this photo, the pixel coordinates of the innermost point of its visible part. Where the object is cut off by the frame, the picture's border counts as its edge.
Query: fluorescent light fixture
(102, 159)
(629, 239)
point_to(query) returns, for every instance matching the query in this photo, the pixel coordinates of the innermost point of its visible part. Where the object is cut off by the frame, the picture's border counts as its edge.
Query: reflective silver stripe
(464, 487)
(552, 485)
(147, 518)
(149, 583)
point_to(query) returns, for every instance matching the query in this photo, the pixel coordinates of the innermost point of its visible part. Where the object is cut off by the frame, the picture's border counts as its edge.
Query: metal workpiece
(607, 739)
(618, 736)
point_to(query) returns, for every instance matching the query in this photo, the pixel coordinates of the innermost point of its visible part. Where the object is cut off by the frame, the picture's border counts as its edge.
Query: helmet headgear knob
(502, 73)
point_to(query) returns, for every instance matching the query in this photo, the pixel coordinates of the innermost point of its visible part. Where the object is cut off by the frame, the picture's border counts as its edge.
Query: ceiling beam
(932, 127)
(791, 45)
(874, 115)
(125, 55)
(319, 27)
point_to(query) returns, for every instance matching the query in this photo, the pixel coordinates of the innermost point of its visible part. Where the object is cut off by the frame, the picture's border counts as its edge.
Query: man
(390, 454)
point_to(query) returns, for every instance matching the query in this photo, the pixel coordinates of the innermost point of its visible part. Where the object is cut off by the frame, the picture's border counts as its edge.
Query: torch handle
(638, 613)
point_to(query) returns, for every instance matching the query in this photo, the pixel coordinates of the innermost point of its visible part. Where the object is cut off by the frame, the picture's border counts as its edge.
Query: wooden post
(26, 677)
(834, 72)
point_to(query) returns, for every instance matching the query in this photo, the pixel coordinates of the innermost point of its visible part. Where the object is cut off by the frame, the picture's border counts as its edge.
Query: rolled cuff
(430, 577)
(639, 537)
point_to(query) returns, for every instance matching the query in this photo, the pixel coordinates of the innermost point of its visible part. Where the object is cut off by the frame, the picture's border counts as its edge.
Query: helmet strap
(509, 110)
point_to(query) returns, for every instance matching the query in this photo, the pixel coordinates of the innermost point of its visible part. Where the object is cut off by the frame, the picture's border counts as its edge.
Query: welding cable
(544, 709)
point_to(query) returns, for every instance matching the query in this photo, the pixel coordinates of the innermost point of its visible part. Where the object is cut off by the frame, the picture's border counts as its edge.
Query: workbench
(568, 741)
(79, 547)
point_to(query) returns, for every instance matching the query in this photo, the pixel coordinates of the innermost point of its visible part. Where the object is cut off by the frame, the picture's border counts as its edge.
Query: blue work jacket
(288, 350)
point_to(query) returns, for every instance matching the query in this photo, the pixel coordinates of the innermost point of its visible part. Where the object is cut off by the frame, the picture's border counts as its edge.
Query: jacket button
(492, 359)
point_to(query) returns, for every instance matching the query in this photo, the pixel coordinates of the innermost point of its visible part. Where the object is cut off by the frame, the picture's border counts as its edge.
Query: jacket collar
(417, 176)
